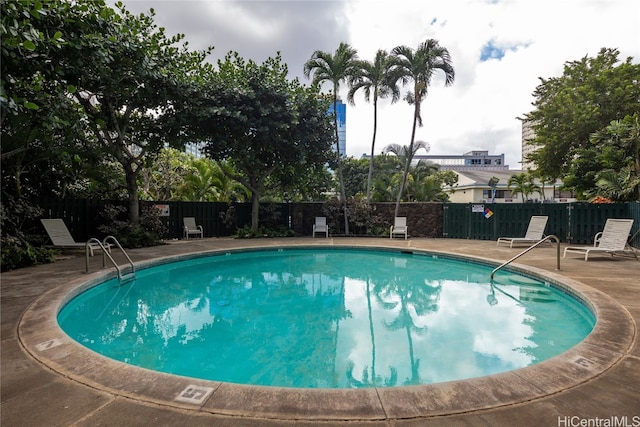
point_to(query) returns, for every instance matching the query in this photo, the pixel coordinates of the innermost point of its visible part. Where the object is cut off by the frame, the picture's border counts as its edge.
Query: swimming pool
(327, 318)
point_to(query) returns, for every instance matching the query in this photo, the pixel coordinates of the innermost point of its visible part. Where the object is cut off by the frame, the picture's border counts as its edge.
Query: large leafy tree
(164, 175)
(616, 150)
(131, 81)
(418, 66)
(85, 84)
(269, 128)
(39, 122)
(377, 80)
(340, 66)
(592, 92)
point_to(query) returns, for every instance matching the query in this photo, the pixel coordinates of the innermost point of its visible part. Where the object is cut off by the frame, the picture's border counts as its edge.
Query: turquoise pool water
(327, 318)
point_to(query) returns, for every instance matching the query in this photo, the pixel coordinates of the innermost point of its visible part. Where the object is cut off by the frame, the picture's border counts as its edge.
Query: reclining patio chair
(612, 240)
(190, 228)
(399, 227)
(535, 232)
(321, 226)
(61, 237)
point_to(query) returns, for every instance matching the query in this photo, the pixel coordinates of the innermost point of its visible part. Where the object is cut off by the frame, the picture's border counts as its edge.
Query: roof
(472, 178)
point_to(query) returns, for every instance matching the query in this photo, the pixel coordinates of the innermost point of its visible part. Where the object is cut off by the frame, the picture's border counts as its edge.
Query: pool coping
(610, 340)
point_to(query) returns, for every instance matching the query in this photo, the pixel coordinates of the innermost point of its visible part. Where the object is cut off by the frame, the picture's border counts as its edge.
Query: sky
(499, 49)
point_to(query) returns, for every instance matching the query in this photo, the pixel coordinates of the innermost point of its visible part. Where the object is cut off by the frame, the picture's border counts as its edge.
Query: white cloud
(478, 112)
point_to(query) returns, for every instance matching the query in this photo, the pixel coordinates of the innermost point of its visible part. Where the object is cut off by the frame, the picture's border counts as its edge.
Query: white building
(473, 160)
(473, 187)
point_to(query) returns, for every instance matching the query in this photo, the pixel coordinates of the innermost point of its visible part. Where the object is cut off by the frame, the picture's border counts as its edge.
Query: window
(500, 194)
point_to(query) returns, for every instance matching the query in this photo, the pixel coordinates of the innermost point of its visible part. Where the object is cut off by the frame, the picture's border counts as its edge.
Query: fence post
(570, 223)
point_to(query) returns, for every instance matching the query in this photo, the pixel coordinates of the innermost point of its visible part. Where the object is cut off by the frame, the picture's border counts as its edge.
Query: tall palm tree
(342, 65)
(377, 80)
(419, 66)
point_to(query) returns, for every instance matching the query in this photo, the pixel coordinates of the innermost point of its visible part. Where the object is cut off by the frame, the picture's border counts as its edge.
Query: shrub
(148, 232)
(247, 232)
(18, 247)
(362, 219)
(18, 254)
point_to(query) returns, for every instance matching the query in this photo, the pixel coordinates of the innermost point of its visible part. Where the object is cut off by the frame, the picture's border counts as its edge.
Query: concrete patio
(66, 385)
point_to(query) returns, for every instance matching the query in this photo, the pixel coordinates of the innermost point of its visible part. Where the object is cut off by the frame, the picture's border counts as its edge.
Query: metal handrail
(528, 249)
(104, 245)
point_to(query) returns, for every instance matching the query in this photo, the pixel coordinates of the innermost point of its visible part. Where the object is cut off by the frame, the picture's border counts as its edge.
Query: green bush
(148, 232)
(18, 254)
(19, 247)
(362, 219)
(247, 232)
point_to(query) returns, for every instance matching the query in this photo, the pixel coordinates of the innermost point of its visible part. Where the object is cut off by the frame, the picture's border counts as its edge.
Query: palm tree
(419, 66)
(405, 156)
(342, 65)
(229, 190)
(522, 184)
(404, 153)
(425, 185)
(377, 80)
(619, 186)
(201, 181)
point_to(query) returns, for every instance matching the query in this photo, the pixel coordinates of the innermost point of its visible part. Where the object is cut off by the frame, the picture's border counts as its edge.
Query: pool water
(327, 318)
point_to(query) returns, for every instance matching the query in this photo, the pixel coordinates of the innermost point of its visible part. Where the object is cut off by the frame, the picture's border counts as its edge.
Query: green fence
(84, 217)
(575, 223)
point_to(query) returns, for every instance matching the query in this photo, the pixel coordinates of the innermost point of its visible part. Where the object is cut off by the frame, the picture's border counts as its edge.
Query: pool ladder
(551, 237)
(104, 245)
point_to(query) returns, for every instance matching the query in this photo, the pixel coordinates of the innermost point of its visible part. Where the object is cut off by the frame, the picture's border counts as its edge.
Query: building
(341, 109)
(474, 187)
(473, 160)
(527, 148)
(194, 148)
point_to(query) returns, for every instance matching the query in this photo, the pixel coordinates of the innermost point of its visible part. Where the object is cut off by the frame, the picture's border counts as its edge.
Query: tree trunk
(373, 145)
(132, 189)
(255, 210)
(343, 196)
(408, 163)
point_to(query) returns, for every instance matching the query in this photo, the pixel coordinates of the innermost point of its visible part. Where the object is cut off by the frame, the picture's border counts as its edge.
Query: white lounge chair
(61, 238)
(612, 240)
(321, 226)
(535, 232)
(399, 227)
(190, 228)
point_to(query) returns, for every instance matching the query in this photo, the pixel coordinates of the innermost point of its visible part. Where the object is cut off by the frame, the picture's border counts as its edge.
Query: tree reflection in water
(315, 318)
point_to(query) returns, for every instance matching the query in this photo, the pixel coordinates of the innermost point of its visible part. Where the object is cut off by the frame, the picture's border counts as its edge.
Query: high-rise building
(194, 148)
(341, 112)
(527, 148)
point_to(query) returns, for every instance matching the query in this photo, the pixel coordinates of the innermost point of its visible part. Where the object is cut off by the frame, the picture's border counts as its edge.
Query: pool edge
(46, 342)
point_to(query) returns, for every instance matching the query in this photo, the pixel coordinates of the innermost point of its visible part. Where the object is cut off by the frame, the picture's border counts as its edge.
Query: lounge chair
(190, 227)
(321, 226)
(399, 227)
(61, 238)
(535, 232)
(612, 240)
